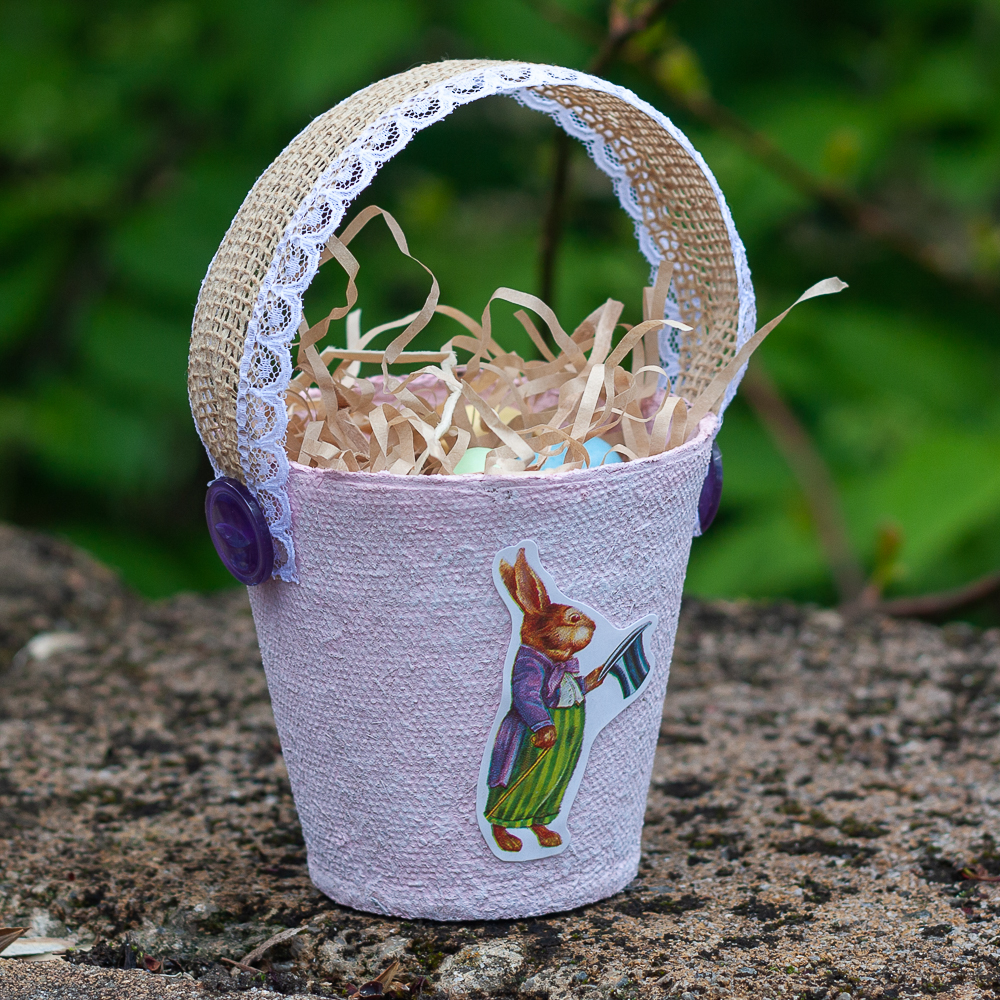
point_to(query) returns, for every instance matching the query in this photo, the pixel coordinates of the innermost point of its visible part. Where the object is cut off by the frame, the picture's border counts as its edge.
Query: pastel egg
(474, 460)
(597, 449)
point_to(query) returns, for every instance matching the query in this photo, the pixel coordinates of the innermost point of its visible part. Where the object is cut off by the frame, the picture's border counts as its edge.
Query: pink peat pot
(467, 671)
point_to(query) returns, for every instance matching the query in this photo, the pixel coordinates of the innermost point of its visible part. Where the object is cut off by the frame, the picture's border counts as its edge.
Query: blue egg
(596, 449)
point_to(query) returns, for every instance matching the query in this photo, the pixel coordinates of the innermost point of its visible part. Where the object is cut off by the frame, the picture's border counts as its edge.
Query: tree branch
(621, 28)
(813, 476)
(943, 603)
(863, 216)
(791, 438)
(552, 225)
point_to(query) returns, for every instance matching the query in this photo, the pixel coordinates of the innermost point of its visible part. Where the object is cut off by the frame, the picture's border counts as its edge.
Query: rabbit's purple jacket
(534, 682)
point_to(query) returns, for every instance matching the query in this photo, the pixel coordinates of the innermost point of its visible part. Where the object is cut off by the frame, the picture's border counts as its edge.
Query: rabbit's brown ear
(531, 594)
(509, 580)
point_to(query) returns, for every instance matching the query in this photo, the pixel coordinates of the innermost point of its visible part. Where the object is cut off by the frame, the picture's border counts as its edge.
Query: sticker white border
(603, 704)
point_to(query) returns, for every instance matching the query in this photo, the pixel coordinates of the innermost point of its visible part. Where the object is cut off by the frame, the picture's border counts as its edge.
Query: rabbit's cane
(609, 664)
(510, 791)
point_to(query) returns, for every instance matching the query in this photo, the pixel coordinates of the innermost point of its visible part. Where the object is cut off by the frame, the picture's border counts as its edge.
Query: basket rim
(707, 430)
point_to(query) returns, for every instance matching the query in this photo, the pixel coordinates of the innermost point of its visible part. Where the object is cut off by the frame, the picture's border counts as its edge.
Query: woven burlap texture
(385, 663)
(679, 208)
(229, 291)
(251, 301)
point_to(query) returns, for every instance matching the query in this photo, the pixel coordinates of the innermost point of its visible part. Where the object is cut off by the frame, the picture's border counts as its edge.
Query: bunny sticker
(554, 703)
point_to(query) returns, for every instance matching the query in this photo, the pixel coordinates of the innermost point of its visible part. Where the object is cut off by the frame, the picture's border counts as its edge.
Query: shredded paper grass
(522, 414)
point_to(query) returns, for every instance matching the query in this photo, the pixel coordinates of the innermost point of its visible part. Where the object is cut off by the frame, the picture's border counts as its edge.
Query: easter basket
(467, 668)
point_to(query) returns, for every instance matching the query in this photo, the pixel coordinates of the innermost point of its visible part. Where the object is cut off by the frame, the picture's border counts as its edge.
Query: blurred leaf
(679, 72)
(91, 441)
(336, 45)
(155, 567)
(138, 355)
(516, 29)
(944, 85)
(828, 131)
(766, 555)
(943, 488)
(755, 474)
(165, 247)
(60, 198)
(23, 289)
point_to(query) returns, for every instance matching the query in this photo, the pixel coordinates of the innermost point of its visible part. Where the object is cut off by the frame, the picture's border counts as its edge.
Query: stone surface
(490, 967)
(819, 789)
(60, 981)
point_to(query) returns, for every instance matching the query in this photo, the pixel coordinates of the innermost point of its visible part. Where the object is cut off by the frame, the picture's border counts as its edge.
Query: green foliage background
(130, 132)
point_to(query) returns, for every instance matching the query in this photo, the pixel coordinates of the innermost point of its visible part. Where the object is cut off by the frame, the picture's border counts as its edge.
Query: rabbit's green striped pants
(534, 794)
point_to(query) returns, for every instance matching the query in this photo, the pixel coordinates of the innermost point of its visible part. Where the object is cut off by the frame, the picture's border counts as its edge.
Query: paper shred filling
(523, 411)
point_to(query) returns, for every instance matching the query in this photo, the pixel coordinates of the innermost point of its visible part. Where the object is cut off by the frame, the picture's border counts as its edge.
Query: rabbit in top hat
(539, 742)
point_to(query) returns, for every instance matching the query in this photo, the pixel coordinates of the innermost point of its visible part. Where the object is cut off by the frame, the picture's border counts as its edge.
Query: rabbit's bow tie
(558, 671)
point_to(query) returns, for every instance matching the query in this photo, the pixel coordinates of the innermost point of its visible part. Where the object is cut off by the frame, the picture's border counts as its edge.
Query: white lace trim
(266, 366)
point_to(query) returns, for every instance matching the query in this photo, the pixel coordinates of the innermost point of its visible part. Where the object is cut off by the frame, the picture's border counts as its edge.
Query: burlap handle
(680, 208)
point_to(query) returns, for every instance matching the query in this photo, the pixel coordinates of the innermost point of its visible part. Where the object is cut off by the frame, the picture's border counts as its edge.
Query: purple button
(239, 531)
(711, 490)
